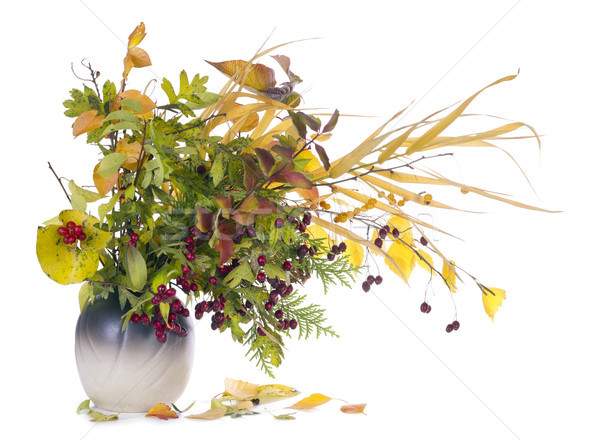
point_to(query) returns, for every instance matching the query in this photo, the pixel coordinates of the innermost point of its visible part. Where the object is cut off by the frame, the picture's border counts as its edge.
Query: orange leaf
(139, 57)
(260, 77)
(137, 35)
(127, 65)
(240, 389)
(104, 185)
(311, 402)
(162, 411)
(87, 121)
(357, 408)
(131, 150)
(211, 414)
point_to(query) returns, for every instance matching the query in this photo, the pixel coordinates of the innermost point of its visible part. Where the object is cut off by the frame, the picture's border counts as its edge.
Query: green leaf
(274, 271)
(217, 170)
(123, 125)
(299, 124)
(123, 115)
(107, 207)
(239, 274)
(165, 308)
(288, 416)
(84, 406)
(109, 92)
(137, 271)
(168, 89)
(88, 196)
(85, 293)
(111, 164)
(132, 104)
(156, 135)
(184, 85)
(82, 102)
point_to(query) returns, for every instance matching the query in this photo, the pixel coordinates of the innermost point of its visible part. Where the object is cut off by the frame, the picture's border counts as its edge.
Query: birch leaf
(355, 252)
(492, 299)
(404, 257)
(449, 276)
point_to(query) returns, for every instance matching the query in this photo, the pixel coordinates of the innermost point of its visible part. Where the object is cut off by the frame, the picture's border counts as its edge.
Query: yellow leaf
(313, 164)
(104, 185)
(95, 238)
(357, 408)
(240, 389)
(426, 262)
(139, 57)
(311, 402)
(492, 299)
(63, 263)
(87, 121)
(131, 150)
(355, 252)
(449, 276)
(270, 393)
(147, 104)
(404, 257)
(317, 232)
(404, 227)
(211, 414)
(137, 35)
(257, 76)
(162, 411)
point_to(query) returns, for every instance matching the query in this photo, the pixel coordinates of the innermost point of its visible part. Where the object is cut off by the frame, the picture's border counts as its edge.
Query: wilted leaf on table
(240, 389)
(84, 408)
(211, 414)
(87, 121)
(288, 416)
(357, 408)
(244, 405)
(311, 401)
(270, 393)
(492, 299)
(162, 411)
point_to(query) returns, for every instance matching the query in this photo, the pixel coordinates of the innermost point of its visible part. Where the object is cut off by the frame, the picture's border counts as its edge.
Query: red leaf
(252, 173)
(295, 179)
(266, 159)
(323, 156)
(286, 153)
(225, 202)
(205, 219)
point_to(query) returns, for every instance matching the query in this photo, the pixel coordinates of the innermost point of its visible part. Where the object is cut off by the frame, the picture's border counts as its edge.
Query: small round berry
(71, 225)
(424, 307)
(203, 306)
(260, 331)
(261, 260)
(81, 236)
(190, 256)
(201, 169)
(289, 290)
(248, 304)
(383, 233)
(286, 324)
(370, 279)
(395, 233)
(134, 236)
(77, 230)
(145, 319)
(279, 222)
(293, 324)
(378, 280)
(223, 270)
(302, 251)
(161, 289)
(189, 240)
(63, 231)
(366, 286)
(183, 332)
(156, 324)
(213, 280)
(176, 306)
(279, 314)
(68, 239)
(307, 218)
(135, 318)
(387, 228)
(455, 325)
(343, 246)
(280, 325)
(274, 296)
(335, 249)
(185, 313)
(423, 241)
(301, 227)
(261, 277)
(287, 265)
(428, 309)
(268, 306)
(449, 328)
(194, 287)
(198, 314)
(186, 286)
(132, 243)
(331, 257)
(172, 316)
(170, 292)
(156, 299)
(251, 231)
(213, 325)
(378, 242)
(190, 247)
(185, 269)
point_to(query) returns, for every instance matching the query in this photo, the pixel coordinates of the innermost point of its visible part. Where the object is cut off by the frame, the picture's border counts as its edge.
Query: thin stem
(141, 156)
(59, 182)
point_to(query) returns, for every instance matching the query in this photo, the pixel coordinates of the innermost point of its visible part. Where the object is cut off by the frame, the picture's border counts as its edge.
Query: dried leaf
(449, 276)
(257, 76)
(355, 252)
(294, 179)
(271, 393)
(211, 414)
(187, 408)
(311, 402)
(240, 389)
(244, 405)
(147, 105)
(162, 411)
(492, 299)
(357, 408)
(288, 416)
(87, 121)
(137, 35)
(139, 57)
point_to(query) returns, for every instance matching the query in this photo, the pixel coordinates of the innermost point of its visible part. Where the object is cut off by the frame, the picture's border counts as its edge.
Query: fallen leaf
(211, 414)
(288, 416)
(162, 411)
(244, 405)
(240, 389)
(183, 410)
(311, 402)
(357, 408)
(492, 299)
(87, 121)
(270, 393)
(84, 408)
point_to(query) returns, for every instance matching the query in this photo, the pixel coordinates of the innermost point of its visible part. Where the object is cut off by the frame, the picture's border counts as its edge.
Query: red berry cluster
(71, 233)
(133, 239)
(162, 325)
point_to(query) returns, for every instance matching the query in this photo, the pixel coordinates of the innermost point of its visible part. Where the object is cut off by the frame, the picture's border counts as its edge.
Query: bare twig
(59, 182)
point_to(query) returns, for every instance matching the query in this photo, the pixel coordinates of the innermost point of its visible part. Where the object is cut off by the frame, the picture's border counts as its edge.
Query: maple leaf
(357, 408)
(87, 121)
(311, 401)
(162, 411)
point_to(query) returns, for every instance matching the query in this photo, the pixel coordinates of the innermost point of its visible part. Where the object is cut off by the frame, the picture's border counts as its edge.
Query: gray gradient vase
(129, 371)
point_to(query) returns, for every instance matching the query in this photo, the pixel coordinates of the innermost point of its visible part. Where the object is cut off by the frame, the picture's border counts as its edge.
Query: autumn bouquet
(222, 205)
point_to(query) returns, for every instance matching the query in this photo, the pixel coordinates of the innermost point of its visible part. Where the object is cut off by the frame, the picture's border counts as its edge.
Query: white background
(531, 374)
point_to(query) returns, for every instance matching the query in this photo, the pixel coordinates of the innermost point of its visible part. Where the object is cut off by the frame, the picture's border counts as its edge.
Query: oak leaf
(162, 411)
(311, 401)
(87, 121)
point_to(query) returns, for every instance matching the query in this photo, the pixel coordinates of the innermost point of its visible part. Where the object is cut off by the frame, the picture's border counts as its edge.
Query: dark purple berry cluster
(162, 325)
